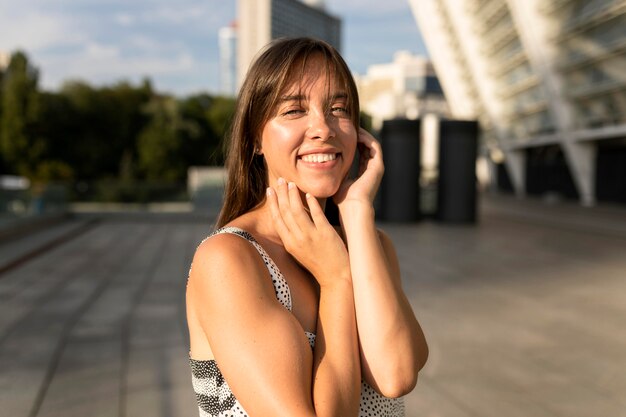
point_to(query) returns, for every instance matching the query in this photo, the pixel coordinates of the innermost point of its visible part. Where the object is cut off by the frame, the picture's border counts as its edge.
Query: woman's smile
(319, 157)
(324, 159)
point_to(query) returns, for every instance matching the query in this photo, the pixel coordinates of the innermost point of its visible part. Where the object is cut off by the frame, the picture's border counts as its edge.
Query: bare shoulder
(220, 250)
(227, 264)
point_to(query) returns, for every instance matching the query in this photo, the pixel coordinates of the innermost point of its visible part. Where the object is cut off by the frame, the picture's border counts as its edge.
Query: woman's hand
(310, 239)
(371, 169)
(313, 242)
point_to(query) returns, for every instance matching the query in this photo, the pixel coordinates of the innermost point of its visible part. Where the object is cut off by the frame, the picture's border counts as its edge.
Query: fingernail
(291, 185)
(281, 181)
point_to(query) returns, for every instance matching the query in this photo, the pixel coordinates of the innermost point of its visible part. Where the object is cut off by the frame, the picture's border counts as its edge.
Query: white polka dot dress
(215, 399)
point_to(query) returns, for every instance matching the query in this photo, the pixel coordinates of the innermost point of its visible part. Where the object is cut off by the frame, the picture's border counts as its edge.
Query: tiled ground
(525, 316)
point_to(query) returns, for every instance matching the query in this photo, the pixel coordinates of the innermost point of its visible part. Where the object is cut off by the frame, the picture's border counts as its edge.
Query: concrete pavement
(524, 313)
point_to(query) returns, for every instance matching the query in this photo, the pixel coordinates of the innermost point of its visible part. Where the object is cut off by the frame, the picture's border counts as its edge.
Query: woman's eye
(339, 110)
(292, 112)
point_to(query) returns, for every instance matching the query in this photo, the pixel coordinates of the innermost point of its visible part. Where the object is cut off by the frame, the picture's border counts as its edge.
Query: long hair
(279, 64)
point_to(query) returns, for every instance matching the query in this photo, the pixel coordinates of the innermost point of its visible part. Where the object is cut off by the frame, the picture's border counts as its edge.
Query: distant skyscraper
(228, 60)
(260, 21)
(545, 78)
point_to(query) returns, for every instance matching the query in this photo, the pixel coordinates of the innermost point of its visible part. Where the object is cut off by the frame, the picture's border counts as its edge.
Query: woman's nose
(320, 126)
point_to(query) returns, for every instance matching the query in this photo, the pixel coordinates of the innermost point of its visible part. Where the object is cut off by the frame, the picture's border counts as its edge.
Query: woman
(304, 319)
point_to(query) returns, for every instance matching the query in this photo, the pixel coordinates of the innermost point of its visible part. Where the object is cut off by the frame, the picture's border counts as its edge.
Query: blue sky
(174, 42)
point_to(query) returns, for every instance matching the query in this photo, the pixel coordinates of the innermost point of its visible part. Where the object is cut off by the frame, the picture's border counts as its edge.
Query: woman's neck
(261, 217)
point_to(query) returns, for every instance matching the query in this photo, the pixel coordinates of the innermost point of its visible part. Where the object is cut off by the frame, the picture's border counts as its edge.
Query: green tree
(105, 125)
(182, 133)
(203, 147)
(54, 120)
(19, 147)
(159, 143)
(220, 115)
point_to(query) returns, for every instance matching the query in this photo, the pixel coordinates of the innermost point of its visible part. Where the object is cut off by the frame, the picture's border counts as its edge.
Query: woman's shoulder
(227, 253)
(223, 246)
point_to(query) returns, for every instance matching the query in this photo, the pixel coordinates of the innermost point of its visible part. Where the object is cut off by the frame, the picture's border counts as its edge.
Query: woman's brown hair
(269, 75)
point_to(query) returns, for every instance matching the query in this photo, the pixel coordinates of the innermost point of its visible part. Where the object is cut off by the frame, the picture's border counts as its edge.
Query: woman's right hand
(315, 244)
(308, 237)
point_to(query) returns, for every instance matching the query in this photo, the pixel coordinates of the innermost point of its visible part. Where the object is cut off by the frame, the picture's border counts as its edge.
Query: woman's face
(309, 138)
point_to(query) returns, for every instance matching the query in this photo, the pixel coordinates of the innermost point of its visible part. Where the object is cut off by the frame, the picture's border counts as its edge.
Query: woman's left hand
(371, 169)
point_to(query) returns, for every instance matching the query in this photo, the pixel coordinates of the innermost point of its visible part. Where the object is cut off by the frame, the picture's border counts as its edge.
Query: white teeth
(319, 157)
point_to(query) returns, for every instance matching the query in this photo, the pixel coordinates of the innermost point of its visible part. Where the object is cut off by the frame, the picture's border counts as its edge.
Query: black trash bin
(456, 191)
(399, 199)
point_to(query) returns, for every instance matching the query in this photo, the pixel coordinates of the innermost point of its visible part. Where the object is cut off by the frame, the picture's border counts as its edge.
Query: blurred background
(503, 125)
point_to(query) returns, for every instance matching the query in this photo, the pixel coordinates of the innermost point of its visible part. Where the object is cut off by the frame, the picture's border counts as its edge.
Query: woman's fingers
(297, 207)
(277, 217)
(373, 148)
(292, 211)
(283, 198)
(371, 169)
(317, 214)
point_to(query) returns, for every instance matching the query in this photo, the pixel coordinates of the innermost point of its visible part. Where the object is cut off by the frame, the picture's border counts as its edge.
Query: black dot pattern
(215, 398)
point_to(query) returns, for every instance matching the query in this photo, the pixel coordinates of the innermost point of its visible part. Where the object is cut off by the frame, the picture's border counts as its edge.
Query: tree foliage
(19, 144)
(117, 132)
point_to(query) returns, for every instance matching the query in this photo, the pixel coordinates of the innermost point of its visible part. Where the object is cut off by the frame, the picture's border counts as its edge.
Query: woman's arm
(393, 347)
(317, 246)
(260, 347)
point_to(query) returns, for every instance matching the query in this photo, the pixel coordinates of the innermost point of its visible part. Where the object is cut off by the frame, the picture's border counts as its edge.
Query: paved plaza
(525, 314)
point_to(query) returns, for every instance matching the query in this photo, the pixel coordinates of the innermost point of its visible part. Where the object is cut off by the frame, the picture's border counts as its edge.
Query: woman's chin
(321, 192)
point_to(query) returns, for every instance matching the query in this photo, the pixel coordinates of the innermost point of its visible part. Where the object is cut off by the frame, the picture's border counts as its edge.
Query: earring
(257, 151)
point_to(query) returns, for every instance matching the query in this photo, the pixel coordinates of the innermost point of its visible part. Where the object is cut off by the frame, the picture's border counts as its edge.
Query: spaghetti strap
(283, 294)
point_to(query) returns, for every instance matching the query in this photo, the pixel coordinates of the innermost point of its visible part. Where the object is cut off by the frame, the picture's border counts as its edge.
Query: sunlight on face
(310, 138)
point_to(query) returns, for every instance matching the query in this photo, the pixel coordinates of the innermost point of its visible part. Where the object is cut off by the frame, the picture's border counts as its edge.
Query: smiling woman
(310, 137)
(288, 315)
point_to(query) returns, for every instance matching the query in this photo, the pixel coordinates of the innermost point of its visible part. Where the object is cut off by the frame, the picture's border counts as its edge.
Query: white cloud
(167, 14)
(105, 64)
(34, 30)
(96, 51)
(124, 19)
(372, 8)
(176, 15)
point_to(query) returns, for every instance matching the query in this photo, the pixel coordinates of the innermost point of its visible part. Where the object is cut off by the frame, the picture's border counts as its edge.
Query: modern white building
(228, 60)
(405, 88)
(547, 81)
(261, 21)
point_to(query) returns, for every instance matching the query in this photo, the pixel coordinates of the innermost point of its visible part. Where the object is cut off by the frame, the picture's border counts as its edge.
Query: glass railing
(34, 200)
(24, 205)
